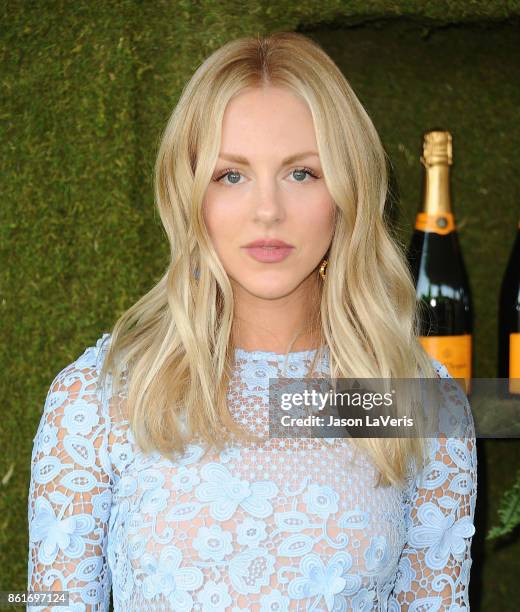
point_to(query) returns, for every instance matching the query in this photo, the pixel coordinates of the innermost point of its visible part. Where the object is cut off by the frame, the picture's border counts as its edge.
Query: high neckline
(252, 355)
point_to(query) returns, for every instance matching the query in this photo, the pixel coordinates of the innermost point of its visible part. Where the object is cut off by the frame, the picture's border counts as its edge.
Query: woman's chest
(249, 527)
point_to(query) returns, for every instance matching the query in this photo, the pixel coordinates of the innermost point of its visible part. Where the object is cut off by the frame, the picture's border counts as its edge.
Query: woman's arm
(70, 489)
(434, 567)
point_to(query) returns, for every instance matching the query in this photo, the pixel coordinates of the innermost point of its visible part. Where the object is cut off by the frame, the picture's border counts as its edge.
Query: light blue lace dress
(289, 524)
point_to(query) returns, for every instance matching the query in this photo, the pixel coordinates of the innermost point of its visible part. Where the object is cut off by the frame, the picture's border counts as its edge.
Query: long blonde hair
(175, 343)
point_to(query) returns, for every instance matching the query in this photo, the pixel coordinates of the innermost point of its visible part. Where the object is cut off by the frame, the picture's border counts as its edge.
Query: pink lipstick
(269, 250)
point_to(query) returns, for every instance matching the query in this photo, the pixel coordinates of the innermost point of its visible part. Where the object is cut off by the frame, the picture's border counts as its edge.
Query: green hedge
(88, 87)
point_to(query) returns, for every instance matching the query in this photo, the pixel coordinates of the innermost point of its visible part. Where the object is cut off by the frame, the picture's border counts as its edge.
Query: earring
(196, 273)
(323, 268)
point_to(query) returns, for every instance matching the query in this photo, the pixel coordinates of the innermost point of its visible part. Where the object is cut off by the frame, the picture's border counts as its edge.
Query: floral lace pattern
(282, 524)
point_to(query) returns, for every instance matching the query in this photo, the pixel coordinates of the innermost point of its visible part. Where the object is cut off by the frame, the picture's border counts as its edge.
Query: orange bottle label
(443, 223)
(514, 363)
(452, 351)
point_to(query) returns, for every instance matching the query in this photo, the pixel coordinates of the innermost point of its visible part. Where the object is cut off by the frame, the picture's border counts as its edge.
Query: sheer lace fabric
(283, 524)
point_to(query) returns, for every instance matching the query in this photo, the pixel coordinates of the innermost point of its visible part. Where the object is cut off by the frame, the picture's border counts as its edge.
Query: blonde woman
(152, 474)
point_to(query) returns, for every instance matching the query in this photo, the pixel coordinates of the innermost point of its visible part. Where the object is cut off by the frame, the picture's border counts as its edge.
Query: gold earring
(323, 268)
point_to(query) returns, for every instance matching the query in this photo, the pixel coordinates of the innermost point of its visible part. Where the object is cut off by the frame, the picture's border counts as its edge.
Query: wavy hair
(175, 343)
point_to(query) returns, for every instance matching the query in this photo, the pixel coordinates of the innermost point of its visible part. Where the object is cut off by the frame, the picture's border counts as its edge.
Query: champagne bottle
(436, 263)
(509, 321)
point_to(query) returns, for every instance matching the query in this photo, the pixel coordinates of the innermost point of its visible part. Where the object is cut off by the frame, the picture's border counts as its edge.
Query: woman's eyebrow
(239, 159)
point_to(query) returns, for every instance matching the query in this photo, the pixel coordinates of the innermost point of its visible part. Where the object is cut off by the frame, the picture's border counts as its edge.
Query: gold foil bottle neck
(437, 148)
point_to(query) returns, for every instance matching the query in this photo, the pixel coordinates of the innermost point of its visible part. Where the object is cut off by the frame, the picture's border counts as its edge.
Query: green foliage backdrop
(86, 90)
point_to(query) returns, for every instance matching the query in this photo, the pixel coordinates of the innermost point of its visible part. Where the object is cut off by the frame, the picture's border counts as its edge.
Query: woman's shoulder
(89, 360)
(455, 416)
(75, 412)
(78, 380)
(93, 355)
(440, 368)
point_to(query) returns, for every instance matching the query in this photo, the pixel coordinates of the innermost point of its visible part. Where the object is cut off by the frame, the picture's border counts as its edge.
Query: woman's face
(264, 196)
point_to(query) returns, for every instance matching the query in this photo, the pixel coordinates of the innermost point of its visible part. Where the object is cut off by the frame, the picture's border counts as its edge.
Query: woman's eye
(235, 174)
(232, 173)
(304, 172)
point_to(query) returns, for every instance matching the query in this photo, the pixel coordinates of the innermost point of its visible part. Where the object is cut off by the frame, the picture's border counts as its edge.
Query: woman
(151, 470)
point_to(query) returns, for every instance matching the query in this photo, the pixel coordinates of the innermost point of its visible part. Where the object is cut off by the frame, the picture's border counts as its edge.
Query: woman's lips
(269, 254)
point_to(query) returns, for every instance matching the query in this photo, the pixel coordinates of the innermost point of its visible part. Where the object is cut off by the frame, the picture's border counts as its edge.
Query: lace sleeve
(70, 490)
(434, 567)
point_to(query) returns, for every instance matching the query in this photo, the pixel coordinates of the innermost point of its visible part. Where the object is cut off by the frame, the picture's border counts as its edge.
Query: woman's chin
(270, 289)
